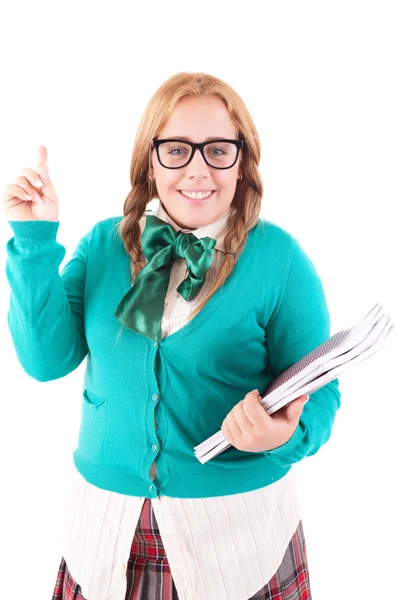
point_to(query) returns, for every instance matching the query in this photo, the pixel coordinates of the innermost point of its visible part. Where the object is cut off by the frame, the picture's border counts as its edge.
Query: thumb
(295, 408)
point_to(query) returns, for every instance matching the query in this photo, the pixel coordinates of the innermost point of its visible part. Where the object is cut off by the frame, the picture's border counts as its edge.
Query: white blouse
(218, 548)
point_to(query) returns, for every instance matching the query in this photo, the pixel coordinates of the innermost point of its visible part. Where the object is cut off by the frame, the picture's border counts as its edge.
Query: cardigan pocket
(93, 424)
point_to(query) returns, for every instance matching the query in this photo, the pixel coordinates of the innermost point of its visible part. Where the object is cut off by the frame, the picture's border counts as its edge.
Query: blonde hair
(249, 190)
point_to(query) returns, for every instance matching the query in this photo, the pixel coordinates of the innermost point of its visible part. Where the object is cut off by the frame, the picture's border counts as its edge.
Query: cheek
(165, 178)
(168, 181)
(225, 180)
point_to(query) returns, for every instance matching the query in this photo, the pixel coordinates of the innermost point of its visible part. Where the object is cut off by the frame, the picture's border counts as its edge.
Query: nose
(197, 166)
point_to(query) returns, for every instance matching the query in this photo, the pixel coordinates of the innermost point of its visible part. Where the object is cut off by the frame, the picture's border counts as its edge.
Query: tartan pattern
(66, 588)
(149, 576)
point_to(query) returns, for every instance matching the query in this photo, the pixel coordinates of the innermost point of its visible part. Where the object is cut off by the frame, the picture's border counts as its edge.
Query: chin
(193, 223)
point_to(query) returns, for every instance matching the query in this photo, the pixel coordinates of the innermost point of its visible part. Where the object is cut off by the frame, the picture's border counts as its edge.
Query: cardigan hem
(225, 482)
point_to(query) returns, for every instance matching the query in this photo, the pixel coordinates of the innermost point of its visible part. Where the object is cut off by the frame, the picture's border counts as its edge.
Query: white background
(321, 80)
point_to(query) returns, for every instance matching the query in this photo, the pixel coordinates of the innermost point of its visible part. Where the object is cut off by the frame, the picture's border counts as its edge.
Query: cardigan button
(155, 396)
(155, 344)
(155, 447)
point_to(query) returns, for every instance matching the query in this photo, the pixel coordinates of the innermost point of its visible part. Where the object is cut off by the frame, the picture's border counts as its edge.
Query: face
(196, 118)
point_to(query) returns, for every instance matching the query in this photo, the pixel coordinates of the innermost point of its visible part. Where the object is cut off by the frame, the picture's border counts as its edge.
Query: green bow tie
(142, 307)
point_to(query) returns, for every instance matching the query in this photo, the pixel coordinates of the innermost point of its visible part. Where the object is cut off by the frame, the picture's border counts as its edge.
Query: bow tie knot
(142, 307)
(181, 243)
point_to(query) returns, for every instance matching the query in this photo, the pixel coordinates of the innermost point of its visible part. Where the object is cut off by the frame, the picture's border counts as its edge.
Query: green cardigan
(269, 313)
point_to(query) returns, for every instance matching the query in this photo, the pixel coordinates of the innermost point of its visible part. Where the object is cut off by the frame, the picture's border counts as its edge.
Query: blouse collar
(217, 229)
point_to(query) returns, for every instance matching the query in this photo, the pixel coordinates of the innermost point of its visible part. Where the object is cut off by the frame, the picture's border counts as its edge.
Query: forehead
(198, 118)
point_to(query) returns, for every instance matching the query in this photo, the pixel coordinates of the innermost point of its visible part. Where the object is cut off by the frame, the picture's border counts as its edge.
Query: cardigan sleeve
(46, 312)
(301, 323)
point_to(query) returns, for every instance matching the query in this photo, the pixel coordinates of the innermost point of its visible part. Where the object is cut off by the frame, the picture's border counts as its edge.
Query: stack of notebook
(325, 363)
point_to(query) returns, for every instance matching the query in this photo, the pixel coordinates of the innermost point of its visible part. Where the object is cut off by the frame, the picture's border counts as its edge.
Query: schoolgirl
(184, 312)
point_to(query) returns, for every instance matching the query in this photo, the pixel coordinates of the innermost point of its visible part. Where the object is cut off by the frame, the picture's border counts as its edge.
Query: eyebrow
(208, 139)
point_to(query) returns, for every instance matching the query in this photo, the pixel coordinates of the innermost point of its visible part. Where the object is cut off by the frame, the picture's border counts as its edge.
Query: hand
(18, 208)
(250, 428)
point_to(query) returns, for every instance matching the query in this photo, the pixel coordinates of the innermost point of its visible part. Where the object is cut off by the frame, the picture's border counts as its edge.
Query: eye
(215, 148)
(172, 150)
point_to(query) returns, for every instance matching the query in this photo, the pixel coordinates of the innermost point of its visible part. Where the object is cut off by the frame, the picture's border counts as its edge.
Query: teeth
(196, 196)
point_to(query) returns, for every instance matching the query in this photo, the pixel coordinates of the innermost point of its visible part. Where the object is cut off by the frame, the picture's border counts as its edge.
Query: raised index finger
(42, 167)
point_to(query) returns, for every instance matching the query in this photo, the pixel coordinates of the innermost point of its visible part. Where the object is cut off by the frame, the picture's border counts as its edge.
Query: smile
(196, 198)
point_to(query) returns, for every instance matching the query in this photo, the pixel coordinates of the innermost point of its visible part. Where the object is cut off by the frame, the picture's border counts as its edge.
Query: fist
(249, 427)
(32, 197)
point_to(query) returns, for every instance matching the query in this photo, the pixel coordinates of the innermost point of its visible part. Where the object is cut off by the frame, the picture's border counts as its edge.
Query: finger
(255, 412)
(42, 167)
(296, 407)
(282, 411)
(227, 433)
(26, 185)
(233, 426)
(242, 419)
(292, 412)
(16, 191)
(33, 177)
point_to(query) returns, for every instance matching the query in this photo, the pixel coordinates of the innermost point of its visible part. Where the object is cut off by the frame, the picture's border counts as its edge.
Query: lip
(195, 201)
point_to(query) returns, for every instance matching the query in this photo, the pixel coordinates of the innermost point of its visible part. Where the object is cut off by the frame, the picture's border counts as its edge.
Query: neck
(177, 222)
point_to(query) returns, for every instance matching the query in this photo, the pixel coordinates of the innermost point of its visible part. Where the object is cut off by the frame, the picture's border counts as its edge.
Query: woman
(218, 301)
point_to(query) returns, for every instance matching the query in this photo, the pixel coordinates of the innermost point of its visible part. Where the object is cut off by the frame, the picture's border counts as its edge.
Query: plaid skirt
(149, 576)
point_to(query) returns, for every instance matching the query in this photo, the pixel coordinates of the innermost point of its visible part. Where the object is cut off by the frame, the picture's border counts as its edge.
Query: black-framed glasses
(174, 153)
